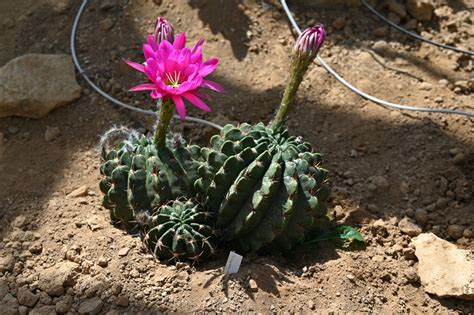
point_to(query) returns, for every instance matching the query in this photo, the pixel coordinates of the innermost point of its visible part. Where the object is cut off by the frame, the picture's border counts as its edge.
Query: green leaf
(349, 233)
(343, 233)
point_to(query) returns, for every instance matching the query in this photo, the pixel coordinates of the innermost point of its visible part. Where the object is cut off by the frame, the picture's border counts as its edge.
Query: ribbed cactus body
(139, 176)
(181, 231)
(265, 186)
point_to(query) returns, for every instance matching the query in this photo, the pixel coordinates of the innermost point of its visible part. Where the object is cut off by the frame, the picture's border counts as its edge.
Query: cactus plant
(139, 176)
(264, 185)
(181, 231)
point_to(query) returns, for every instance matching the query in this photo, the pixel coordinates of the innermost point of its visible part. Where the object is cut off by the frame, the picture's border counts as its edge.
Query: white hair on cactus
(115, 135)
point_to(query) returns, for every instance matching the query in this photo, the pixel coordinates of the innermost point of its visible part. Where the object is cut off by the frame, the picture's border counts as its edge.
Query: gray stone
(9, 304)
(455, 231)
(4, 289)
(91, 306)
(26, 297)
(51, 133)
(7, 262)
(444, 269)
(53, 280)
(408, 227)
(253, 285)
(34, 84)
(422, 10)
(64, 305)
(43, 310)
(421, 216)
(122, 300)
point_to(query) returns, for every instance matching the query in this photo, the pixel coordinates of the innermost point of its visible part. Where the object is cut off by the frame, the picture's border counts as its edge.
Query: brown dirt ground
(384, 164)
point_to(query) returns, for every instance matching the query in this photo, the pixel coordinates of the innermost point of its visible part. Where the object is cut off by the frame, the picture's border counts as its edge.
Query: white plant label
(233, 263)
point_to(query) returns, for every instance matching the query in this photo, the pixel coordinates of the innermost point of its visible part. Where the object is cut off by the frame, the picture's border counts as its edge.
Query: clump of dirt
(394, 174)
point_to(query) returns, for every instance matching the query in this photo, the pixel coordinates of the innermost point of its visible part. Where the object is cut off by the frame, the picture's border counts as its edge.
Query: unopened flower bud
(310, 40)
(163, 30)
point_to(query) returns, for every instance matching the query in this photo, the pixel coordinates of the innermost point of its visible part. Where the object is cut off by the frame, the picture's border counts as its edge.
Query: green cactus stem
(265, 186)
(166, 113)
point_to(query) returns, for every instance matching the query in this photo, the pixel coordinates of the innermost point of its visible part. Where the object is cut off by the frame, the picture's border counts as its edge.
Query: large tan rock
(33, 85)
(444, 269)
(422, 10)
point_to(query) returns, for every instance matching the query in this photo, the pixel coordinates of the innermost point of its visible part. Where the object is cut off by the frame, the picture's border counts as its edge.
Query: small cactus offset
(180, 231)
(265, 186)
(139, 176)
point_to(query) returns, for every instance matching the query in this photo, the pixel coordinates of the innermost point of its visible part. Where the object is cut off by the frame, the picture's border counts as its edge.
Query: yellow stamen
(173, 79)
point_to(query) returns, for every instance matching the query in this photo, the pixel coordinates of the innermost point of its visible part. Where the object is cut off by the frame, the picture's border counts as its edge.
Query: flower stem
(298, 69)
(166, 113)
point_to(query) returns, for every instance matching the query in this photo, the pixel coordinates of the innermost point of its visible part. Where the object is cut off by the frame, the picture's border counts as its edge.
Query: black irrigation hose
(414, 35)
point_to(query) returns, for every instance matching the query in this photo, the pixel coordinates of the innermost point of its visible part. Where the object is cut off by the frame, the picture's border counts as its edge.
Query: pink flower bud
(310, 40)
(163, 30)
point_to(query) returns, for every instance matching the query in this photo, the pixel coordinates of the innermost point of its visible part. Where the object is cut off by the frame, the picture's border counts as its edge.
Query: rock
(411, 275)
(123, 251)
(425, 86)
(408, 227)
(339, 23)
(7, 263)
(43, 310)
(422, 10)
(107, 5)
(467, 233)
(19, 222)
(23, 310)
(444, 269)
(421, 216)
(463, 85)
(64, 305)
(409, 253)
(53, 280)
(91, 306)
(79, 192)
(455, 231)
(122, 300)
(397, 8)
(380, 46)
(51, 133)
(35, 84)
(9, 305)
(26, 297)
(36, 248)
(93, 223)
(13, 129)
(253, 285)
(4, 289)
(102, 261)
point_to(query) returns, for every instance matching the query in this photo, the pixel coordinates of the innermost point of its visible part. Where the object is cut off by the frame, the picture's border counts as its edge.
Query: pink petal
(202, 95)
(165, 49)
(179, 41)
(209, 66)
(152, 42)
(212, 85)
(155, 94)
(135, 65)
(196, 101)
(148, 52)
(178, 102)
(198, 47)
(143, 87)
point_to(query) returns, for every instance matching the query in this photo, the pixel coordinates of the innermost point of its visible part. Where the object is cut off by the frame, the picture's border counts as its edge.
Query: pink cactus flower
(163, 30)
(175, 71)
(310, 40)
